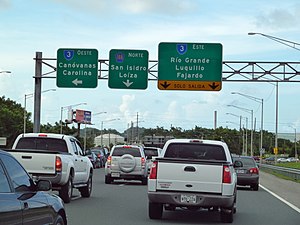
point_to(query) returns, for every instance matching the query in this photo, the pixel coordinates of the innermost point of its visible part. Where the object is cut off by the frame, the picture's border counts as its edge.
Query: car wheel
(255, 187)
(59, 221)
(227, 215)
(108, 180)
(66, 190)
(155, 210)
(87, 190)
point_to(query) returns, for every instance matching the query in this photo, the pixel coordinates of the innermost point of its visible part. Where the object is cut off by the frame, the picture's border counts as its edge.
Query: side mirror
(44, 185)
(237, 164)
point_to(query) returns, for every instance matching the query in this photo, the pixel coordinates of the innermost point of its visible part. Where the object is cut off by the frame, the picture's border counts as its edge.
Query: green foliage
(11, 119)
(294, 165)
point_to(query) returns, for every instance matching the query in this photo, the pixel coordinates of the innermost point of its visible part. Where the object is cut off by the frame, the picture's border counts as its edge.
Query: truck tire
(66, 190)
(227, 215)
(87, 190)
(155, 210)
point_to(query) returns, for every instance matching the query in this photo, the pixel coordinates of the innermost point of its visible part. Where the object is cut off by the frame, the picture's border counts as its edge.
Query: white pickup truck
(58, 158)
(193, 174)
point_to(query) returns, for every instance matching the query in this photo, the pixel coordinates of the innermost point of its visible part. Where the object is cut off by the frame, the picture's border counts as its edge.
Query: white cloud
(279, 18)
(131, 6)
(126, 107)
(4, 4)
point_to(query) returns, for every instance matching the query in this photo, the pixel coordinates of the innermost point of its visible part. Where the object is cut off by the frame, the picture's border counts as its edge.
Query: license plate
(188, 198)
(240, 171)
(115, 174)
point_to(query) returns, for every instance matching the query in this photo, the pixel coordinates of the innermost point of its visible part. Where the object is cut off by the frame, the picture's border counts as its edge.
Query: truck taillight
(58, 164)
(226, 175)
(108, 161)
(153, 170)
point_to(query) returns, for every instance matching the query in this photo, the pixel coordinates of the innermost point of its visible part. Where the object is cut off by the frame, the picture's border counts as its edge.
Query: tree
(11, 119)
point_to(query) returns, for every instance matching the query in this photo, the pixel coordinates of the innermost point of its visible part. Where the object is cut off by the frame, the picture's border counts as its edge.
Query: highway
(126, 203)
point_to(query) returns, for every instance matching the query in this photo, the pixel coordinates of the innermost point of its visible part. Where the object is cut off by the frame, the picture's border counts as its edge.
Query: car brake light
(153, 170)
(254, 170)
(196, 140)
(58, 164)
(42, 135)
(143, 161)
(226, 175)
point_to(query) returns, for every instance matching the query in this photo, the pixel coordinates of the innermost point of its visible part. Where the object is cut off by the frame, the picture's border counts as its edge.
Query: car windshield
(40, 143)
(195, 151)
(119, 151)
(151, 151)
(98, 152)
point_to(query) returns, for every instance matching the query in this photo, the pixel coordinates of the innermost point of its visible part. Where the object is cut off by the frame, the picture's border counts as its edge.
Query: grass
(282, 176)
(295, 165)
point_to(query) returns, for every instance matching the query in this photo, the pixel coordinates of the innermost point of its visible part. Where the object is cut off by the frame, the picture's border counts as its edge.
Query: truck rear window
(195, 151)
(135, 152)
(47, 144)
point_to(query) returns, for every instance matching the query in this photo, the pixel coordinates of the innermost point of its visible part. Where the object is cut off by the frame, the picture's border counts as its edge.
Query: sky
(32, 26)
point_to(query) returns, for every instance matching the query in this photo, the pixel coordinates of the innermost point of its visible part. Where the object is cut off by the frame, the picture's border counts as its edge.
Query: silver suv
(126, 162)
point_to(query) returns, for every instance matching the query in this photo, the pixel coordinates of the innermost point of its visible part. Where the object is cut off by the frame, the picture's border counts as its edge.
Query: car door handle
(26, 157)
(190, 169)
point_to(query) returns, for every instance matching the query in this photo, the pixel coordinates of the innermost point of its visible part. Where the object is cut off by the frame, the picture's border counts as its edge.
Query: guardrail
(288, 172)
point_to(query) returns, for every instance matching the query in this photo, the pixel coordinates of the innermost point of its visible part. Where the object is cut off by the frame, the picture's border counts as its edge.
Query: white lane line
(281, 199)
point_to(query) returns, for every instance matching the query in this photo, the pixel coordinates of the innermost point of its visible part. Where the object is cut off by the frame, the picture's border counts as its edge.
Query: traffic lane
(286, 189)
(127, 203)
(261, 207)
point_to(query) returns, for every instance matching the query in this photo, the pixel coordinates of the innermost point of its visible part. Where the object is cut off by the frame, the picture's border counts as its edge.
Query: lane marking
(281, 199)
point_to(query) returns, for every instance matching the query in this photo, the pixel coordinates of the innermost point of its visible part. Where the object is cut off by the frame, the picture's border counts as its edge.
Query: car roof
(242, 157)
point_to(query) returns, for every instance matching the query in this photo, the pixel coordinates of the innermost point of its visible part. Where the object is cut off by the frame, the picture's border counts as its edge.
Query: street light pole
(102, 128)
(241, 130)
(295, 138)
(26, 96)
(259, 100)
(288, 43)
(249, 111)
(5, 71)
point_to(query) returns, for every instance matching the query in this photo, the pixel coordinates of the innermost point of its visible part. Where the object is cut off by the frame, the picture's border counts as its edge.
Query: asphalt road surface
(126, 203)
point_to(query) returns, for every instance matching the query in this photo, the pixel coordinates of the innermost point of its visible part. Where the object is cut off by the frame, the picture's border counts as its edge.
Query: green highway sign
(190, 66)
(128, 69)
(77, 68)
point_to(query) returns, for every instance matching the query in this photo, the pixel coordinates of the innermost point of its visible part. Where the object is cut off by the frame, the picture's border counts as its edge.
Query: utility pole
(137, 127)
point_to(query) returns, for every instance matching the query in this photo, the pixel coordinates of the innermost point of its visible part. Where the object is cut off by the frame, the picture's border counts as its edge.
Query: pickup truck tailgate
(36, 163)
(189, 177)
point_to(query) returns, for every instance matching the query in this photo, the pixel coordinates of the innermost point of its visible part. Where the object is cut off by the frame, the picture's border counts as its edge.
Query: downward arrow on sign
(76, 81)
(127, 83)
